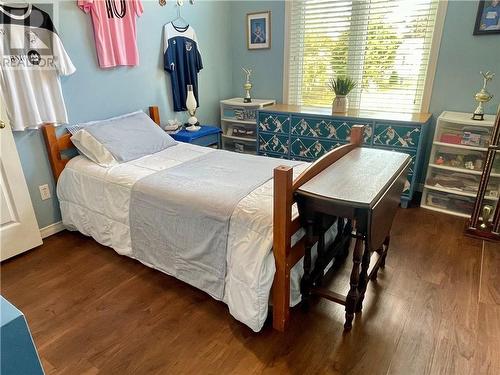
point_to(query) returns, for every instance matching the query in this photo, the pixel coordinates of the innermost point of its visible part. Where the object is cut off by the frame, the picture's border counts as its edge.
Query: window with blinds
(382, 44)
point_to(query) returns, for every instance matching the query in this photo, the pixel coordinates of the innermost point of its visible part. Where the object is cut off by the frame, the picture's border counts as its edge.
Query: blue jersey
(182, 60)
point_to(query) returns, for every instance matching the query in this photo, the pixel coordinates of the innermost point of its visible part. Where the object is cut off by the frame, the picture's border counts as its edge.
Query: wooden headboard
(57, 146)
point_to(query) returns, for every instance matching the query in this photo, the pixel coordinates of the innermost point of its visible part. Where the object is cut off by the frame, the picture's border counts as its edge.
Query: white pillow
(93, 149)
(90, 147)
(120, 139)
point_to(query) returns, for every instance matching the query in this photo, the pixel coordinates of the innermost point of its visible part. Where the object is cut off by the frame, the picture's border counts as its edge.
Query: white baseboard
(51, 229)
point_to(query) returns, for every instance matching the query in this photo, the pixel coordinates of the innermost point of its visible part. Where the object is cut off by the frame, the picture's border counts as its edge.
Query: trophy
(247, 85)
(487, 212)
(482, 96)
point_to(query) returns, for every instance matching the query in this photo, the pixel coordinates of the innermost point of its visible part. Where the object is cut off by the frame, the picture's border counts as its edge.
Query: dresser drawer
(271, 122)
(393, 135)
(338, 130)
(239, 113)
(271, 142)
(311, 148)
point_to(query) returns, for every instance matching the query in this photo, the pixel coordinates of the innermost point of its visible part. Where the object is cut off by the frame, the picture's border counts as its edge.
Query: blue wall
(267, 64)
(92, 93)
(221, 30)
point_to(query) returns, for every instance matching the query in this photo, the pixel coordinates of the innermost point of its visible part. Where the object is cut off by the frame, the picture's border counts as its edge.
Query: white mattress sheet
(95, 201)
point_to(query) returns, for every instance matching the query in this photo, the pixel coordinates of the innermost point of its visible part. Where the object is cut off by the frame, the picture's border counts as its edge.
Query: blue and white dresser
(301, 133)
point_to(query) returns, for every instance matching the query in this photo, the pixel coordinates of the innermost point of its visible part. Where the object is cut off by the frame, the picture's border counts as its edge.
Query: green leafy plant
(342, 85)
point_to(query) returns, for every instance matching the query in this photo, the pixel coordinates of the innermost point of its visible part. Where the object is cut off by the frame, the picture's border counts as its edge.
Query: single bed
(265, 241)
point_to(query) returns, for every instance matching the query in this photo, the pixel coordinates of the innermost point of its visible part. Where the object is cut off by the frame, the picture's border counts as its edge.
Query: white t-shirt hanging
(32, 59)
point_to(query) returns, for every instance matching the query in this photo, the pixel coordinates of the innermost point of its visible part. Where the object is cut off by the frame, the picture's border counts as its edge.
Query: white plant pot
(339, 104)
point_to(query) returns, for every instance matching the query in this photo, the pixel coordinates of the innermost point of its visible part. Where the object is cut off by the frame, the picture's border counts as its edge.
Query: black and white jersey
(32, 59)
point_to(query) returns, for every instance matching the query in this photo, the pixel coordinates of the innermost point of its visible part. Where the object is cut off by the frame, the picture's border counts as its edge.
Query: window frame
(431, 66)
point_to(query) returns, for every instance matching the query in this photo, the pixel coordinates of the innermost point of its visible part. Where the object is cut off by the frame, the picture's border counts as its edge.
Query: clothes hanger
(17, 4)
(179, 17)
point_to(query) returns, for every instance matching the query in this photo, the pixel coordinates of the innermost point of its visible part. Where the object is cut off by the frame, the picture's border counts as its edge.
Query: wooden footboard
(286, 255)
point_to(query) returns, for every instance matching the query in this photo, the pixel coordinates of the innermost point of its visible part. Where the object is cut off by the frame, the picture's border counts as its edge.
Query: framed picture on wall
(488, 17)
(259, 30)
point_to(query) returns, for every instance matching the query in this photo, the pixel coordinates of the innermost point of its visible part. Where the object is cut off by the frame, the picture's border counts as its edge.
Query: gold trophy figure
(247, 85)
(487, 212)
(482, 96)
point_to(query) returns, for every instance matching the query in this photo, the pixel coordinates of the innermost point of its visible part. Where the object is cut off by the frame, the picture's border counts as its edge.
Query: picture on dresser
(488, 18)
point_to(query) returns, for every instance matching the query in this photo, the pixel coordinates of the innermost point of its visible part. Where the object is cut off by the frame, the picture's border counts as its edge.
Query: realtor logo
(34, 57)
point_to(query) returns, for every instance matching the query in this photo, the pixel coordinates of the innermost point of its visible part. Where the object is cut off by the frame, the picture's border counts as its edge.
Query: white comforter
(95, 201)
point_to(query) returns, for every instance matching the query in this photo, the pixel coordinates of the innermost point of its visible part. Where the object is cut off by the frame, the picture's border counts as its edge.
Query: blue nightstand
(206, 136)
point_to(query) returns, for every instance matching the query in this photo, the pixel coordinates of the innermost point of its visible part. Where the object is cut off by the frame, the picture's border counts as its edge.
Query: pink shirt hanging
(114, 30)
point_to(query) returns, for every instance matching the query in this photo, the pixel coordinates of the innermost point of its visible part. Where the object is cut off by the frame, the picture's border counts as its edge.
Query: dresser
(305, 133)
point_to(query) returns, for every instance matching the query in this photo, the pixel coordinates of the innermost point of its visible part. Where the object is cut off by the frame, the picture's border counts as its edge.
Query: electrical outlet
(44, 192)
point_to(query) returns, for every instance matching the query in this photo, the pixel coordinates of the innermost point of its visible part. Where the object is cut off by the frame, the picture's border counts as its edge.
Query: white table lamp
(191, 109)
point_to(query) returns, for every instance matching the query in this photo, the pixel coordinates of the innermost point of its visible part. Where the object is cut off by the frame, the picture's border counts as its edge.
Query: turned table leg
(305, 283)
(352, 296)
(363, 277)
(386, 248)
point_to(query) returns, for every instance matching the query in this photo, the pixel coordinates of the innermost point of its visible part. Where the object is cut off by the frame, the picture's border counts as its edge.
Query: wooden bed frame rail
(285, 255)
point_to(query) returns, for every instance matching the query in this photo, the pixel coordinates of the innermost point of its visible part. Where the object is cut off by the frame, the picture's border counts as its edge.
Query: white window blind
(384, 45)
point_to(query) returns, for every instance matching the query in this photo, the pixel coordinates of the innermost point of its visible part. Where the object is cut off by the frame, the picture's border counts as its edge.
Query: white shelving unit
(456, 163)
(239, 123)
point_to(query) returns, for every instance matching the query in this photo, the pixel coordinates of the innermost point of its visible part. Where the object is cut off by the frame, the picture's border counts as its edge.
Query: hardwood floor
(435, 309)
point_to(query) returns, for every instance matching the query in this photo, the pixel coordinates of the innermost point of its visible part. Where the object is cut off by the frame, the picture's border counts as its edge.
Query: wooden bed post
(154, 113)
(282, 219)
(54, 147)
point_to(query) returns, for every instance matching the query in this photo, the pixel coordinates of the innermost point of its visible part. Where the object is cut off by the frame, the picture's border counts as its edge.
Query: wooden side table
(206, 136)
(364, 187)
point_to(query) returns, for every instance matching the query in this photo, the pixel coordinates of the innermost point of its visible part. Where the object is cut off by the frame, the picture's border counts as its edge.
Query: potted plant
(341, 86)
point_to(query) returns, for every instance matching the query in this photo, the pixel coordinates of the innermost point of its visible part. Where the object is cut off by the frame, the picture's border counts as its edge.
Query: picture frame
(259, 30)
(487, 18)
